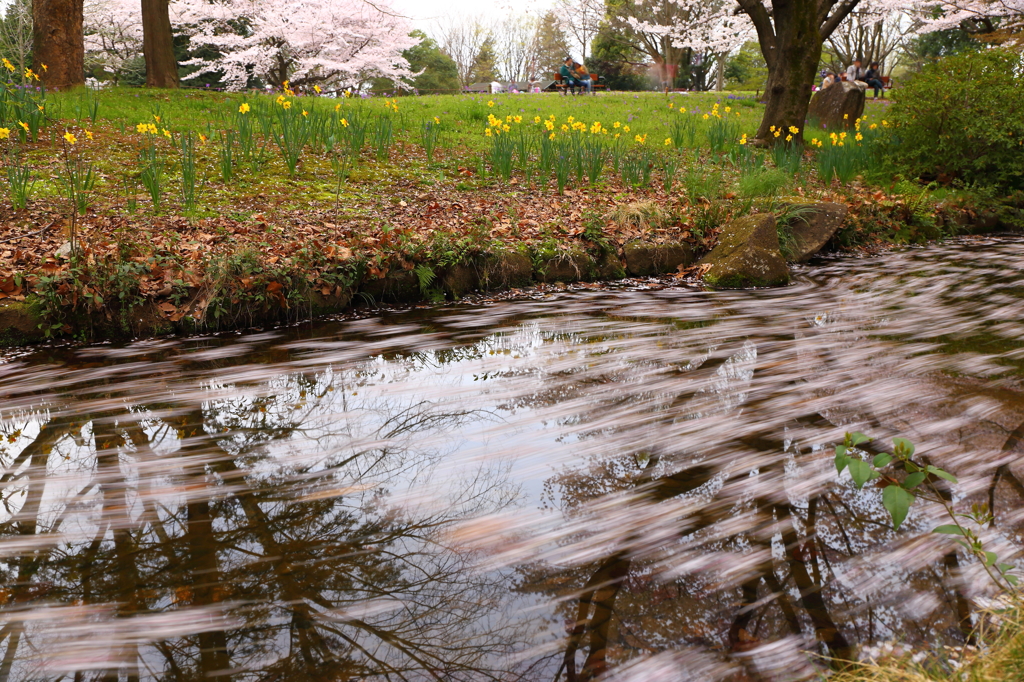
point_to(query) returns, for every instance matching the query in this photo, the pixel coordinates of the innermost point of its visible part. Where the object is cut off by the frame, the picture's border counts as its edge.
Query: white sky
(425, 13)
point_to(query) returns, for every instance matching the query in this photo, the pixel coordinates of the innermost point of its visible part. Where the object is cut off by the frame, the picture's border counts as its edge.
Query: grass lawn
(200, 186)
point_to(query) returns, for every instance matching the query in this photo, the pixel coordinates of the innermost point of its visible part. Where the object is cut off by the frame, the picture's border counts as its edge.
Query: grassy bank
(222, 208)
(999, 657)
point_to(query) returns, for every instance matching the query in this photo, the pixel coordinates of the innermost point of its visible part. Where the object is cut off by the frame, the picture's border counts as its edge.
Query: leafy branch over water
(920, 481)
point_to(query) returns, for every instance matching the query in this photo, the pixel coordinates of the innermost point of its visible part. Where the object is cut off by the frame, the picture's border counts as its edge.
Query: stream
(630, 482)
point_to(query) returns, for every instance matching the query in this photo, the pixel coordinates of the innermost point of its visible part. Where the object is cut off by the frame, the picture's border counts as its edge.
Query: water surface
(635, 480)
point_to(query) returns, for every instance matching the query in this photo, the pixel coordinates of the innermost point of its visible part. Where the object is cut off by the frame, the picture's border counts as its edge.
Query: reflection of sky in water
(504, 447)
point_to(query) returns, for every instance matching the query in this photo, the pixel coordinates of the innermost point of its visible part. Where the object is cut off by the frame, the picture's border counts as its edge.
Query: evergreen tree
(550, 46)
(482, 70)
(439, 73)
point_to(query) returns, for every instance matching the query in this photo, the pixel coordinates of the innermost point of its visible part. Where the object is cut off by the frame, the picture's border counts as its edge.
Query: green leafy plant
(152, 167)
(187, 164)
(904, 480)
(430, 133)
(962, 117)
(225, 155)
(19, 179)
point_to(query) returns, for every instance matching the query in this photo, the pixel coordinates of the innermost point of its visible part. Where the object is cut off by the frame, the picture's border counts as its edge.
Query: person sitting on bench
(569, 76)
(873, 78)
(583, 76)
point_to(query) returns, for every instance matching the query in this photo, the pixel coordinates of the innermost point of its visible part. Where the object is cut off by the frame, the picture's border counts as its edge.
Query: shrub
(962, 118)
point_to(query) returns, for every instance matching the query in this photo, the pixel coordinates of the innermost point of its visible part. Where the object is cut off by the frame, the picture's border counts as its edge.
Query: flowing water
(633, 482)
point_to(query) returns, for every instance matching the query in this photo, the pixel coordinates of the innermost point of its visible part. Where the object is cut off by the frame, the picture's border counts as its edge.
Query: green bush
(962, 118)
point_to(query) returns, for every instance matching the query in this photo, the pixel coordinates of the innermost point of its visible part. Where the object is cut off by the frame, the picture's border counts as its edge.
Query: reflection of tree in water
(740, 540)
(283, 553)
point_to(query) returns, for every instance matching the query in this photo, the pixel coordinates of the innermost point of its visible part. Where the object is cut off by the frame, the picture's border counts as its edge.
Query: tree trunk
(59, 45)
(158, 45)
(792, 66)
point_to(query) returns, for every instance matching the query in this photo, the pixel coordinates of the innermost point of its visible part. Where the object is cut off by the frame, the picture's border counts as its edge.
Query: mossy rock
(568, 266)
(19, 323)
(644, 260)
(608, 267)
(505, 270)
(813, 224)
(747, 255)
(460, 279)
(398, 286)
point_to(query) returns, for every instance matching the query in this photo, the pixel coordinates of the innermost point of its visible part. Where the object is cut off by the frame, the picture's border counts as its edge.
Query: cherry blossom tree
(331, 43)
(113, 35)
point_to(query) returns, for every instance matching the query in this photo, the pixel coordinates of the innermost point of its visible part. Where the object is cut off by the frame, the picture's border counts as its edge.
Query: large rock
(837, 106)
(644, 260)
(810, 227)
(747, 255)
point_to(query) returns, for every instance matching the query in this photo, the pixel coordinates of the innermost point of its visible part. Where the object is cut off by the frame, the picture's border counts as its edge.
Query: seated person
(568, 74)
(855, 75)
(873, 78)
(583, 76)
(828, 80)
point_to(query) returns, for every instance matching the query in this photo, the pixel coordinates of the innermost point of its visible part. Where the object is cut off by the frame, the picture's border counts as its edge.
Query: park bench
(561, 85)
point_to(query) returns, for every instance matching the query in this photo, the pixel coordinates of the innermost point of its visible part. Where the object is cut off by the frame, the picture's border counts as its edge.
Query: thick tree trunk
(59, 47)
(158, 45)
(792, 66)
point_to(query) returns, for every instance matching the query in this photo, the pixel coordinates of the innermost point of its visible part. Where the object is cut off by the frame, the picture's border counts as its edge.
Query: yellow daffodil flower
(316, 89)
(69, 137)
(490, 103)
(344, 123)
(167, 133)
(244, 108)
(8, 65)
(5, 133)
(668, 141)
(88, 134)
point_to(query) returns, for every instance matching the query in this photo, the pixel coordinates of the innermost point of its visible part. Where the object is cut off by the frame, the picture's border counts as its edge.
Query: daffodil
(743, 140)
(536, 119)
(88, 134)
(8, 65)
(45, 67)
(490, 103)
(316, 89)
(141, 127)
(794, 129)
(243, 108)
(156, 118)
(167, 133)
(30, 74)
(344, 123)
(337, 107)
(728, 109)
(616, 124)
(71, 139)
(551, 136)
(846, 117)
(437, 121)
(286, 104)
(625, 129)
(305, 113)
(706, 117)
(23, 125)
(5, 133)
(487, 132)
(789, 138)
(668, 141)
